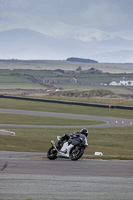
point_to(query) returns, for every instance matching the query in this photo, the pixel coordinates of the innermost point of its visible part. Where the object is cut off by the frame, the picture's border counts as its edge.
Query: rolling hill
(29, 44)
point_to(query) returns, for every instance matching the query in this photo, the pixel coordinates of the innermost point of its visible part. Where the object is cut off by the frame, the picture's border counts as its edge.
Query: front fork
(54, 145)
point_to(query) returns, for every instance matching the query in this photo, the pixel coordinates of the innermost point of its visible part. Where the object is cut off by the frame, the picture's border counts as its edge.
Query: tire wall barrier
(67, 102)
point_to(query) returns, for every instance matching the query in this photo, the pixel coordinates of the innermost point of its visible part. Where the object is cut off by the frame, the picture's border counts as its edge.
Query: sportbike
(73, 148)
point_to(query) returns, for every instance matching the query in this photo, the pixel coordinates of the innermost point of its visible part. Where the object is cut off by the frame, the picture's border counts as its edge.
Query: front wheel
(52, 154)
(76, 152)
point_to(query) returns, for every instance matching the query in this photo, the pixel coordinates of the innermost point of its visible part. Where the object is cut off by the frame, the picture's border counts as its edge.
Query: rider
(66, 137)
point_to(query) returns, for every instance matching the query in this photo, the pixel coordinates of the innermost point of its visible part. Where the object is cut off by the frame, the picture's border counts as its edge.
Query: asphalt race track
(110, 121)
(30, 176)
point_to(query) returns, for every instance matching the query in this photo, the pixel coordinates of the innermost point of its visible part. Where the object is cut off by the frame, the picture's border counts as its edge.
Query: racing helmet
(84, 131)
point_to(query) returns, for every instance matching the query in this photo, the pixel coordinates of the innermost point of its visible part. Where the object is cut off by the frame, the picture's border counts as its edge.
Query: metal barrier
(67, 102)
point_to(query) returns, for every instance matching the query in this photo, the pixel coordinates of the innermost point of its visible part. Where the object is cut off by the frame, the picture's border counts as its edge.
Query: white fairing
(65, 150)
(86, 143)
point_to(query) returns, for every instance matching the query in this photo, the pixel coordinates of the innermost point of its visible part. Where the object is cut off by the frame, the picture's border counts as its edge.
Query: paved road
(110, 121)
(27, 175)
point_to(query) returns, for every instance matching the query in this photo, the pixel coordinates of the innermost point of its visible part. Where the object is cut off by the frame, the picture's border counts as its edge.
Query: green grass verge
(42, 120)
(113, 142)
(64, 108)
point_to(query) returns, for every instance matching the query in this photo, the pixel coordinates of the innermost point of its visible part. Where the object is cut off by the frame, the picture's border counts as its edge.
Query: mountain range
(29, 44)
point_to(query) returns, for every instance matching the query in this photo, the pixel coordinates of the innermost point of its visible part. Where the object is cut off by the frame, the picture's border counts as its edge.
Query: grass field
(21, 86)
(63, 108)
(116, 142)
(27, 79)
(113, 142)
(42, 120)
(115, 89)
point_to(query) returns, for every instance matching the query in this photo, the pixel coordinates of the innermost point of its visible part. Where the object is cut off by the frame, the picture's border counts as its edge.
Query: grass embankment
(97, 100)
(116, 142)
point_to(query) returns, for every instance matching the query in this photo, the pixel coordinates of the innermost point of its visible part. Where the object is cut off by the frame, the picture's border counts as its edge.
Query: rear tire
(52, 154)
(76, 152)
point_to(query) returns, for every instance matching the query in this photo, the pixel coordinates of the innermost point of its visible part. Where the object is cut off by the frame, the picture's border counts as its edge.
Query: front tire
(76, 153)
(52, 154)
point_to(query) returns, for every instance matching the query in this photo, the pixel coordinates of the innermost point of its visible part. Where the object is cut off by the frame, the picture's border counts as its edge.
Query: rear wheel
(76, 152)
(52, 154)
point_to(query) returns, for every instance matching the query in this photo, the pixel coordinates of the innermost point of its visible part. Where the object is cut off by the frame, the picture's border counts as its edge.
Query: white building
(122, 83)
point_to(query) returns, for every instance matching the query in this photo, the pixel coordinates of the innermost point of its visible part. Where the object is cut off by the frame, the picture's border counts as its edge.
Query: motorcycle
(72, 149)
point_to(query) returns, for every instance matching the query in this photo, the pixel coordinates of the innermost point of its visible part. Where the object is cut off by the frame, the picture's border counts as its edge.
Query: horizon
(64, 60)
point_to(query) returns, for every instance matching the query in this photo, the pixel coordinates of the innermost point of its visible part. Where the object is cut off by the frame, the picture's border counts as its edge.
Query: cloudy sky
(80, 19)
(84, 21)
